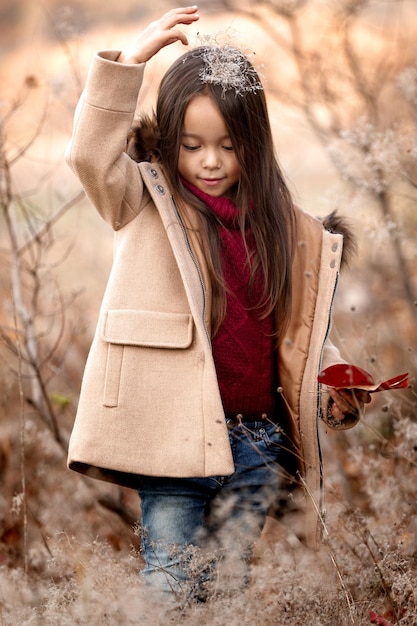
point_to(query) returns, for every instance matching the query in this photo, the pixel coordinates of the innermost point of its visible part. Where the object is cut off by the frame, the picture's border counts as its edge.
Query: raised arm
(104, 115)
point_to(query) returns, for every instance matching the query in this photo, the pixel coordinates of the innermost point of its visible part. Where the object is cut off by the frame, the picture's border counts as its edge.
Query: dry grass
(79, 563)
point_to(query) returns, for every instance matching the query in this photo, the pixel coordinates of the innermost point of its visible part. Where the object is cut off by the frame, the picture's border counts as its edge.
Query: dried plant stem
(365, 535)
(404, 271)
(22, 455)
(326, 534)
(39, 397)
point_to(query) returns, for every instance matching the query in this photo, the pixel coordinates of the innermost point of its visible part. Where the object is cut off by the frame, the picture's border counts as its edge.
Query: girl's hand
(159, 34)
(348, 402)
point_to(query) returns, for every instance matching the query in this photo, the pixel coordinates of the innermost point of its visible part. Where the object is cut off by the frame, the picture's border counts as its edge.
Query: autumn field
(341, 82)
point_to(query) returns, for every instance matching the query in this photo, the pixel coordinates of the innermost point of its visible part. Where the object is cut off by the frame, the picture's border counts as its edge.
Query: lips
(211, 182)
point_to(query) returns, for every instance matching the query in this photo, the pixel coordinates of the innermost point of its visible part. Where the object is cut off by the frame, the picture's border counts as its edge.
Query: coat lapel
(189, 264)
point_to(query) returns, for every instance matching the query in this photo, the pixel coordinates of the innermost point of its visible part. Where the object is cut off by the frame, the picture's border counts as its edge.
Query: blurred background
(341, 82)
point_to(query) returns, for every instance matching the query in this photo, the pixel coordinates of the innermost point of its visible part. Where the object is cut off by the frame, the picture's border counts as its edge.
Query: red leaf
(343, 376)
(374, 618)
(399, 382)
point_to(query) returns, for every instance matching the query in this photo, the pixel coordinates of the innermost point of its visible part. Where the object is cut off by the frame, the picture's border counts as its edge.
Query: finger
(364, 396)
(176, 35)
(174, 17)
(347, 396)
(345, 403)
(185, 15)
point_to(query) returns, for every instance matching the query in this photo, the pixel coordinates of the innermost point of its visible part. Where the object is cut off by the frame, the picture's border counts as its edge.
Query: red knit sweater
(243, 348)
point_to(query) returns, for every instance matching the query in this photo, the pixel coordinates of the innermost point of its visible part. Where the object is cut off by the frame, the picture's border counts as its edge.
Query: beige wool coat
(150, 402)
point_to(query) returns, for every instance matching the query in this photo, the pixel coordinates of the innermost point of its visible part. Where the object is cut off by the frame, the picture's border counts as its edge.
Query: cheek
(182, 164)
(236, 168)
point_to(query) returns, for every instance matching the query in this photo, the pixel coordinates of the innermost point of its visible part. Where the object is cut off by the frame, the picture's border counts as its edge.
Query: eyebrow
(196, 136)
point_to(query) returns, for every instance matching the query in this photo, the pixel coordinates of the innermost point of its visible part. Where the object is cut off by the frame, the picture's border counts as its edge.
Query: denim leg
(173, 519)
(223, 515)
(239, 510)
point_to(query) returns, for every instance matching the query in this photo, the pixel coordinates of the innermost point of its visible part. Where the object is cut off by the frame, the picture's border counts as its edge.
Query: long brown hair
(262, 196)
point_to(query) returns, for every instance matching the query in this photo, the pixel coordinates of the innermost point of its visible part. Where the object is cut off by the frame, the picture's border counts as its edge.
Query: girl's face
(206, 158)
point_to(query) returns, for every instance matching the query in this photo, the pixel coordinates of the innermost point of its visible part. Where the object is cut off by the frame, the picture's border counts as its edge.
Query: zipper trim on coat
(197, 266)
(329, 327)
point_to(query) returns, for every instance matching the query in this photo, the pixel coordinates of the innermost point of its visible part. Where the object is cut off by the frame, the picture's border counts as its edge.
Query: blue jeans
(197, 532)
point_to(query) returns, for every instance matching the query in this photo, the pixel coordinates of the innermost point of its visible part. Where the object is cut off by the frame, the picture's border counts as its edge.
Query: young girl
(200, 389)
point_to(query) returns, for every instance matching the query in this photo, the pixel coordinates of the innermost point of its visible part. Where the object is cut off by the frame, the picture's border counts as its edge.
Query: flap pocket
(151, 329)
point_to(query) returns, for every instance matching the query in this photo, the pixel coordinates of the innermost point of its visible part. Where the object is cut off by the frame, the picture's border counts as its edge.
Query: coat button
(335, 247)
(160, 189)
(153, 173)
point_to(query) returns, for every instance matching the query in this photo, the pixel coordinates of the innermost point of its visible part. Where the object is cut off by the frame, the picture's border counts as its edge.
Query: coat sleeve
(331, 356)
(96, 152)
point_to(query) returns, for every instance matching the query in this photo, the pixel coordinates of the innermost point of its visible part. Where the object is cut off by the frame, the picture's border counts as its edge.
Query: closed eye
(228, 148)
(190, 148)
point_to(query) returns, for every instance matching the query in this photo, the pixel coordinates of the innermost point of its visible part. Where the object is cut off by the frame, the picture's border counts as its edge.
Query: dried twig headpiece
(228, 66)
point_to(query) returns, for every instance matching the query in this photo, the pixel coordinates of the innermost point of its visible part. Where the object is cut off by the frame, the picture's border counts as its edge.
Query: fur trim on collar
(143, 140)
(339, 225)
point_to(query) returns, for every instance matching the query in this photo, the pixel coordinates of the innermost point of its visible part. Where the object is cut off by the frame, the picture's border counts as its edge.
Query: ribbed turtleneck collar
(225, 209)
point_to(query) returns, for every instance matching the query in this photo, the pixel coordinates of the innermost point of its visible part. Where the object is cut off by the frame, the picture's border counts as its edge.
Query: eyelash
(193, 148)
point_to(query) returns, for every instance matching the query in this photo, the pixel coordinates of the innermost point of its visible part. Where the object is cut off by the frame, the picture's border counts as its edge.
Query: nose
(211, 159)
